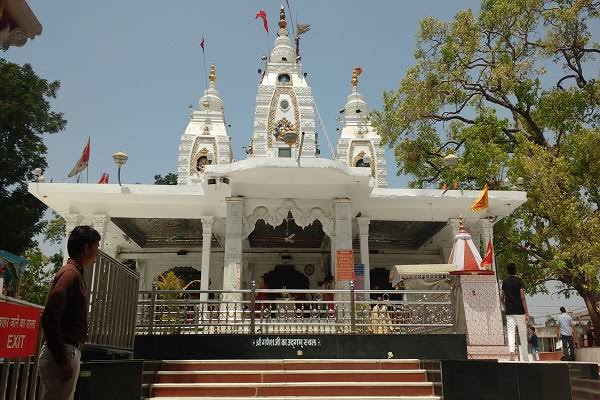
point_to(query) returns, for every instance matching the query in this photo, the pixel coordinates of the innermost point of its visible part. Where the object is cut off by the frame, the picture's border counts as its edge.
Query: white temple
(284, 210)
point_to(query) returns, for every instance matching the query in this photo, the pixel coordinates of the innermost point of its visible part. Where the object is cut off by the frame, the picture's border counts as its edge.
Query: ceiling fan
(288, 238)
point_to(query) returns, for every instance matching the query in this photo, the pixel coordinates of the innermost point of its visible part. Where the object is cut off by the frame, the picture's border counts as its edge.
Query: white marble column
(363, 231)
(343, 231)
(487, 234)
(232, 261)
(100, 223)
(71, 221)
(332, 256)
(207, 224)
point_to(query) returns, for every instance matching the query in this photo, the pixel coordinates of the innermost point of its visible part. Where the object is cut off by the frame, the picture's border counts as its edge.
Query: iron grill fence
(19, 378)
(268, 311)
(112, 297)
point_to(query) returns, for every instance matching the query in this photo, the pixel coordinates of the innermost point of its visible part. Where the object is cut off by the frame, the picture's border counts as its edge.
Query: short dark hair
(562, 309)
(511, 268)
(79, 237)
(532, 328)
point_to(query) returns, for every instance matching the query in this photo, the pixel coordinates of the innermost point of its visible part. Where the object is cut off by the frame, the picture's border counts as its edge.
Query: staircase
(284, 379)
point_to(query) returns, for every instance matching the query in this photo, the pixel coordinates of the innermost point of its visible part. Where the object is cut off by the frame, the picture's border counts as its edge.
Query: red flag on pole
(488, 260)
(104, 178)
(202, 43)
(263, 15)
(82, 163)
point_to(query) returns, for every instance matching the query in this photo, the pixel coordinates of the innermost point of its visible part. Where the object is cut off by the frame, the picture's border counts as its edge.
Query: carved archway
(301, 218)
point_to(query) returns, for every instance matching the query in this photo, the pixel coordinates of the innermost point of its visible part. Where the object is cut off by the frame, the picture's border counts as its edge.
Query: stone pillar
(332, 256)
(232, 261)
(71, 221)
(363, 231)
(343, 231)
(487, 234)
(100, 223)
(207, 224)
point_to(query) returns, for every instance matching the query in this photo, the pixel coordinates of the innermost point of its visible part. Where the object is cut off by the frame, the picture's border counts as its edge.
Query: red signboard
(19, 325)
(345, 265)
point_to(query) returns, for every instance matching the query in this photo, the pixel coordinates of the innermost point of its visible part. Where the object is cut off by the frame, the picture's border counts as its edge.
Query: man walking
(564, 331)
(64, 320)
(517, 316)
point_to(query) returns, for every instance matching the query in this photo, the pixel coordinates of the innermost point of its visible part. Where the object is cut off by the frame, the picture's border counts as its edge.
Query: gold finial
(282, 22)
(212, 75)
(355, 73)
(461, 223)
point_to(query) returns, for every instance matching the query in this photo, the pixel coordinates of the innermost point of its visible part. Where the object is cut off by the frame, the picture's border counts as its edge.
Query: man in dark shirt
(64, 320)
(513, 298)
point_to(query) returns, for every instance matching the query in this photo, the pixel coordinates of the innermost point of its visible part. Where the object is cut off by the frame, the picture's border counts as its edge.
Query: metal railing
(112, 291)
(269, 311)
(22, 371)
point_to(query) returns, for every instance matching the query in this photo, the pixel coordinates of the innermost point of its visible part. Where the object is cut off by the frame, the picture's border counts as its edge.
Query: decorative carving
(271, 124)
(204, 152)
(371, 151)
(276, 217)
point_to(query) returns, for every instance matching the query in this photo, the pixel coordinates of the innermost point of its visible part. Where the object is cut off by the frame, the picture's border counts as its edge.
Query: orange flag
(482, 201)
(488, 260)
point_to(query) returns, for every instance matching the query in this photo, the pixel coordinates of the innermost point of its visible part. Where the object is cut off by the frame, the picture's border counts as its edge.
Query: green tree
(480, 89)
(36, 279)
(54, 233)
(168, 179)
(25, 115)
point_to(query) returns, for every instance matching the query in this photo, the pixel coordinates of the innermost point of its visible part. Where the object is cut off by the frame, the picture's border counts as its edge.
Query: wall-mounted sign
(344, 265)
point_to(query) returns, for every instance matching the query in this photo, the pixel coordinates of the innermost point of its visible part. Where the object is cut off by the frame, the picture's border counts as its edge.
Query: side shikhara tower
(205, 140)
(359, 144)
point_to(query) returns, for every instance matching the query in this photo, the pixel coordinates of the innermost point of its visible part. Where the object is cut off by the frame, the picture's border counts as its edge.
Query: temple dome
(283, 52)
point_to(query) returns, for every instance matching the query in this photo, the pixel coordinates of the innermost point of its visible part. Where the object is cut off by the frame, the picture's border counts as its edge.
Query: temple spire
(355, 73)
(282, 23)
(212, 75)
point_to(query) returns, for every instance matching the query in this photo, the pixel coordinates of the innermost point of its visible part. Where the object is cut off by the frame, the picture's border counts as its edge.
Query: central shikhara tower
(284, 121)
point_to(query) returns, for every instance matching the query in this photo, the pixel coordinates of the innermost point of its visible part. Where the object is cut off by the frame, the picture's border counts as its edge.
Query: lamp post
(120, 159)
(450, 161)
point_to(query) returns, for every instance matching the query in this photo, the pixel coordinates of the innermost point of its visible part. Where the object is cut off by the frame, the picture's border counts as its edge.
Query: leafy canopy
(515, 92)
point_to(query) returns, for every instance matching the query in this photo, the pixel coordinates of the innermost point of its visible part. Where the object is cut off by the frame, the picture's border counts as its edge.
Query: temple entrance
(285, 276)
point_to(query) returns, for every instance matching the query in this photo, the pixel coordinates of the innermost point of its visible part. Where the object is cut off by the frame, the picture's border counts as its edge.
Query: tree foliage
(36, 279)
(514, 89)
(168, 179)
(25, 115)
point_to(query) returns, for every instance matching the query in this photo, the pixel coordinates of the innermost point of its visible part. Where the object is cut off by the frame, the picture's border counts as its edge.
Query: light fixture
(120, 159)
(225, 180)
(211, 181)
(450, 160)
(38, 175)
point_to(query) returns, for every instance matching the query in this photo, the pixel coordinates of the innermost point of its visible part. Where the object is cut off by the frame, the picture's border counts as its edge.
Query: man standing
(64, 320)
(564, 330)
(515, 305)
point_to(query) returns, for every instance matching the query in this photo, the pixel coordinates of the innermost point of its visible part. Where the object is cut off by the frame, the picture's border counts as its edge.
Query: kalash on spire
(284, 105)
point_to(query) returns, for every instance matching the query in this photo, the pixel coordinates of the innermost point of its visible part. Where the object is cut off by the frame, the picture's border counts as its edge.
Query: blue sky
(129, 70)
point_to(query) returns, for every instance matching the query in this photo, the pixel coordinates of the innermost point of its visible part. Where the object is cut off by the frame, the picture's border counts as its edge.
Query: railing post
(151, 313)
(252, 307)
(352, 309)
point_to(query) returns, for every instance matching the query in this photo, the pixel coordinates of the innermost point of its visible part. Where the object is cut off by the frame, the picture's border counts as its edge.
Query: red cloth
(263, 15)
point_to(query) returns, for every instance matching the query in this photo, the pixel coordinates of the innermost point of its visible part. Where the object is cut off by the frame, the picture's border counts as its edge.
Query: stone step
(304, 398)
(279, 376)
(295, 389)
(288, 365)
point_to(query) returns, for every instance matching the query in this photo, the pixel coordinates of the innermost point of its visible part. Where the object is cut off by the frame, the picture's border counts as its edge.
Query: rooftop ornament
(120, 159)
